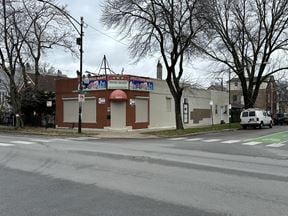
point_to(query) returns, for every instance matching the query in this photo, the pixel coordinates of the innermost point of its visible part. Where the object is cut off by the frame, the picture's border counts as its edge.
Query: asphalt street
(232, 173)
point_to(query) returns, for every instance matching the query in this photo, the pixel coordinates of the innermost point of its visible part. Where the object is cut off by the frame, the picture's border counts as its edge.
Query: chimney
(159, 70)
(59, 73)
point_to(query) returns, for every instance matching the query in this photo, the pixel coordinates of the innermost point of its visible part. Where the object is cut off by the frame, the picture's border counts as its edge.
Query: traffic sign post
(81, 98)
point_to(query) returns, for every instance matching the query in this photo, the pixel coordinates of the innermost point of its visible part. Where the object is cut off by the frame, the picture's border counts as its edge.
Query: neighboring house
(40, 111)
(3, 91)
(267, 97)
(46, 82)
(217, 87)
(283, 97)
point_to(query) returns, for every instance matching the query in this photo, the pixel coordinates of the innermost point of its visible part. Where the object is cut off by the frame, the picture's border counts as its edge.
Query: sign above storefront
(94, 83)
(132, 83)
(141, 85)
(117, 84)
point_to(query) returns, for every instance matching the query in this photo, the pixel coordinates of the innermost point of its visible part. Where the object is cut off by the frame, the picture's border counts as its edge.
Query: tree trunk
(16, 103)
(178, 116)
(250, 99)
(37, 73)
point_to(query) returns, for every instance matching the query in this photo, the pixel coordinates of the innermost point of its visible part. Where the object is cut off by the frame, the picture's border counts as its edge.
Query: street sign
(81, 97)
(49, 103)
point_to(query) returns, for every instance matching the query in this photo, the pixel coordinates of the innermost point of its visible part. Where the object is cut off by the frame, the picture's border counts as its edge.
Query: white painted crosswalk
(35, 141)
(211, 140)
(193, 139)
(231, 141)
(6, 144)
(22, 142)
(276, 145)
(198, 140)
(252, 143)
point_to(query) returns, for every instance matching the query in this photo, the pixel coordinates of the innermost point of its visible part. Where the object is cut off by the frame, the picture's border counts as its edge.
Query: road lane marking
(6, 144)
(231, 141)
(211, 140)
(23, 142)
(276, 145)
(252, 143)
(193, 139)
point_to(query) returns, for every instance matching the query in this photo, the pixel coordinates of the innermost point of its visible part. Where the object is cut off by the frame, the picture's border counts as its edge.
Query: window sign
(101, 100)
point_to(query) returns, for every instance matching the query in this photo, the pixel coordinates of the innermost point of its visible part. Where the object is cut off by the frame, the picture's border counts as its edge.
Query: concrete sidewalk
(105, 133)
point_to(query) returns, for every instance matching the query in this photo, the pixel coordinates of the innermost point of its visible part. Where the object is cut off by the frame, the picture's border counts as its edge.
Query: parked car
(255, 118)
(281, 118)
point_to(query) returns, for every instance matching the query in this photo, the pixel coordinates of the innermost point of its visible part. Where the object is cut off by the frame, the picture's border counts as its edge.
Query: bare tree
(11, 45)
(153, 26)
(27, 28)
(50, 29)
(249, 37)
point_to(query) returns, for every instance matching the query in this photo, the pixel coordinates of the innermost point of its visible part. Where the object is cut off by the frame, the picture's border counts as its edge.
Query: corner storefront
(110, 101)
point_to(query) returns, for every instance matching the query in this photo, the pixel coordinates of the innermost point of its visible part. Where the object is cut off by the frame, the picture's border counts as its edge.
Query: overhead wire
(97, 30)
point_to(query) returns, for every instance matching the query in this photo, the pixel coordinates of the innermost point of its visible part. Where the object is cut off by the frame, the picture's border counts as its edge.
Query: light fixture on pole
(211, 110)
(79, 42)
(229, 99)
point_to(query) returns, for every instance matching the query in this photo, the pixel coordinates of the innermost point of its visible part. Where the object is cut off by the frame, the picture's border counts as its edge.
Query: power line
(106, 35)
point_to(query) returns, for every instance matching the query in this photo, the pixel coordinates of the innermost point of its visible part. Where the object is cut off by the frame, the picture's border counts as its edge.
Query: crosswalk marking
(178, 138)
(194, 139)
(251, 143)
(58, 139)
(276, 145)
(41, 140)
(211, 140)
(23, 142)
(231, 141)
(84, 138)
(6, 144)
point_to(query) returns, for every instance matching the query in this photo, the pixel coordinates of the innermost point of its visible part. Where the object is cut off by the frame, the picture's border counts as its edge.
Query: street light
(211, 110)
(79, 42)
(229, 99)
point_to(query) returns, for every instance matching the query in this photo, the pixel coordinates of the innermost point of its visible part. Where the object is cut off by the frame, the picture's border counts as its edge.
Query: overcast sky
(97, 44)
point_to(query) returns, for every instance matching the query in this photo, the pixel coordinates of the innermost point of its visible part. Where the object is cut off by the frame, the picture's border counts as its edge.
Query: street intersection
(231, 173)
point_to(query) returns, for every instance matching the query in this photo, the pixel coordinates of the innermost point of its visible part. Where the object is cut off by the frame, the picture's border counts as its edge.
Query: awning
(118, 95)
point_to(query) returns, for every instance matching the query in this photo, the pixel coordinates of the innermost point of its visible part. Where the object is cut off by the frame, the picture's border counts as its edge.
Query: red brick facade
(66, 88)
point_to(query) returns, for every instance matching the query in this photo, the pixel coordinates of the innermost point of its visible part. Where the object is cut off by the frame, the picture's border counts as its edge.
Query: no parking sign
(81, 98)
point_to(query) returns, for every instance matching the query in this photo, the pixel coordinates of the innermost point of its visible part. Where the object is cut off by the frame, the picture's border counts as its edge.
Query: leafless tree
(153, 26)
(249, 37)
(50, 29)
(27, 28)
(11, 44)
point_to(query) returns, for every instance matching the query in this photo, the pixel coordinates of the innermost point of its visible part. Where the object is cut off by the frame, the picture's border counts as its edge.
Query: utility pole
(80, 43)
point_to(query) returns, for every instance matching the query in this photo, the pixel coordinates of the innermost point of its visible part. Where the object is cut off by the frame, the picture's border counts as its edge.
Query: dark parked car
(281, 118)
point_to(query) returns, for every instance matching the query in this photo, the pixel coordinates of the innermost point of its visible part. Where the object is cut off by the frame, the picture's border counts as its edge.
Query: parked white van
(255, 118)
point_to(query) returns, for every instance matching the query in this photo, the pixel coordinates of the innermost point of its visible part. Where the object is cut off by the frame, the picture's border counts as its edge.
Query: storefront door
(118, 115)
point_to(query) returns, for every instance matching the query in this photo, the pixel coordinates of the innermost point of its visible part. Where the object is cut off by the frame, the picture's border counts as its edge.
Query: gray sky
(97, 44)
